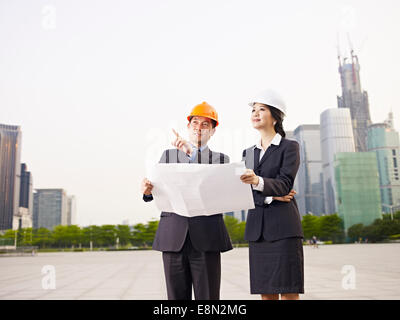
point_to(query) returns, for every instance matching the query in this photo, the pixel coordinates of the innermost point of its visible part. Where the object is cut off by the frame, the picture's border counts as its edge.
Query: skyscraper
(25, 198)
(71, 210)
(310, 192)
(23, 219)
(10, 171)
(50, 208)
(336, 136)
(384, 141)
(355, 99)
(357, 187)
(290, 136)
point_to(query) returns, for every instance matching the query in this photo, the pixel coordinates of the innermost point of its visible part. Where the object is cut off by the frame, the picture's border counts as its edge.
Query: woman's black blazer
(278, 168)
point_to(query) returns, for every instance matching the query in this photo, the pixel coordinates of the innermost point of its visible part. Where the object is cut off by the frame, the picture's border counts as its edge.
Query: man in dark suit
(191, 247)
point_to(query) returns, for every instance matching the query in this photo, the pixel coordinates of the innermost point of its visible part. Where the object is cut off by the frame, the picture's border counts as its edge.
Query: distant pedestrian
(314, 242)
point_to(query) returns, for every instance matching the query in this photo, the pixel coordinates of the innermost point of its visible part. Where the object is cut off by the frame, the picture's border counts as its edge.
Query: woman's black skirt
(277, 266)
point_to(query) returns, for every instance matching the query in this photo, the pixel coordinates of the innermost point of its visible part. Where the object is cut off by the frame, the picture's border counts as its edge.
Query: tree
(331, 228)
(42, 237)
(381, 229)
(355, 232)
(235, 229)
(150, 232)
(138, 234)
(27, 236)
(144, 234)
(124, 234)
(371, 233)
(74, 235)
(10, 235)
(108, 235)
(60, 236)
(388, 216)
(310, 226)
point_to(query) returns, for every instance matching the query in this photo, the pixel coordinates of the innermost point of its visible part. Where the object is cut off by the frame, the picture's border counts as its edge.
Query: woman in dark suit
(273, 228)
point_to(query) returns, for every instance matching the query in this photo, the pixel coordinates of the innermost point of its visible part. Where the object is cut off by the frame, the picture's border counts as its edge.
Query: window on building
(395, 162)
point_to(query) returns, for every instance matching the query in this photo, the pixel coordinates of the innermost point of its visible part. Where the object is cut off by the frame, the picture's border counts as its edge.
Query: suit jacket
(207, 233)
(278, 169)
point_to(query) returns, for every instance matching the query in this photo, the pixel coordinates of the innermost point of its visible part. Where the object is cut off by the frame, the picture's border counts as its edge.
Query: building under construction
(355, 99)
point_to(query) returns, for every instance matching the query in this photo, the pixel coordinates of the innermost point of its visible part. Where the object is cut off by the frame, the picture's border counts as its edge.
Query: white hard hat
(270, 98)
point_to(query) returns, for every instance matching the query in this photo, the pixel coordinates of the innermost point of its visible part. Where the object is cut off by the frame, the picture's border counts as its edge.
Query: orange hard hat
(204, 110)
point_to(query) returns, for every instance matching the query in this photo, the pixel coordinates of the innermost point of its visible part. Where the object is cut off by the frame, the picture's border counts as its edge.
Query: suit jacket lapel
(267, 153)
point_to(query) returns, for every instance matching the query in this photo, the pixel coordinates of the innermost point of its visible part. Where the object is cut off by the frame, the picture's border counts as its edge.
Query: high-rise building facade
(336, 136)
(23, 219)
(384, 141)
(310, 192)
(50, 208)
(354, 99)
(290, 136)
(71, 211)
(357, 187)
(10, 171)
(25, 195)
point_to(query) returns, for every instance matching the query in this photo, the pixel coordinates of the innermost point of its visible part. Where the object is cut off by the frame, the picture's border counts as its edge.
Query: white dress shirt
(260, 187)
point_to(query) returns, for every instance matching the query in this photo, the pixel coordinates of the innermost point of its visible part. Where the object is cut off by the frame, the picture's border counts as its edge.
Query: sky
(97, 85)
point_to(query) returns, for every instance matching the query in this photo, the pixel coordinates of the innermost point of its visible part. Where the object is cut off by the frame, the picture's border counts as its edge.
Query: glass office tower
(310, 192)
(50, 208)
(10, 174)
(357, 187)
(336, 136)
(384, 141)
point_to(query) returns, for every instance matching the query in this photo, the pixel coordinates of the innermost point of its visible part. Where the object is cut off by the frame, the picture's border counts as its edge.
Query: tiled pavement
(139, 274)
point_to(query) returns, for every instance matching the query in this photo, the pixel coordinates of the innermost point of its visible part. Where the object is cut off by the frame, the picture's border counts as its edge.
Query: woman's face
(261, 116)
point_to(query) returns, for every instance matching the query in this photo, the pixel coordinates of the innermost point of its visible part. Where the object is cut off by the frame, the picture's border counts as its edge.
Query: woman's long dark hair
(278, 116)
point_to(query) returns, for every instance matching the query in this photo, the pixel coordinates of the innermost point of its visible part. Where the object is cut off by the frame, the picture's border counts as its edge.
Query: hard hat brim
(278, 108)
(216, 121)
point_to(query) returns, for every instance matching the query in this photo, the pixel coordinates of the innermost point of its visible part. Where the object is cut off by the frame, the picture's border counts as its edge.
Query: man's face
(200, 130)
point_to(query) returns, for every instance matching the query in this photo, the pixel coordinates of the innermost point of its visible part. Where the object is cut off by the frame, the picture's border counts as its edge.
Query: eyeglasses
(204, 124)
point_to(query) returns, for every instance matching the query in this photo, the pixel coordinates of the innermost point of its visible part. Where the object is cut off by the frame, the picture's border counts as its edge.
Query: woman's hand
(249, 177)
(286, 198)
(147, 187)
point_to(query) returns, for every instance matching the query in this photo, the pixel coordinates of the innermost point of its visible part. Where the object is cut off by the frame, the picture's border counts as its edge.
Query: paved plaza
(351, 271)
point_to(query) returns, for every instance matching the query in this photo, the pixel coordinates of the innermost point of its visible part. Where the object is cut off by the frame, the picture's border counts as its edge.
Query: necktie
(198, 155)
